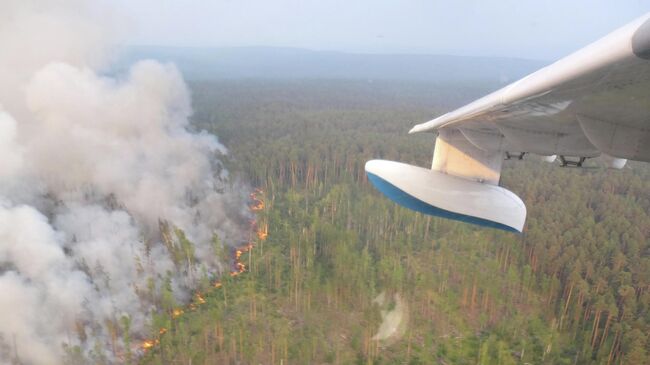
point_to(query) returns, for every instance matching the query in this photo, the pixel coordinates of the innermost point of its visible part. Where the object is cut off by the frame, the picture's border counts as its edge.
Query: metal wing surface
(596, 100)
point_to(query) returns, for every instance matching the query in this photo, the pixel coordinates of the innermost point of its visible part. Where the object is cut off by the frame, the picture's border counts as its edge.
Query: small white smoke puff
(394, 321)
(89, 166)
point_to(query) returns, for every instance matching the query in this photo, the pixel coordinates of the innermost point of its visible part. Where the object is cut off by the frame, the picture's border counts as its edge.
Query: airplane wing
(593, 102)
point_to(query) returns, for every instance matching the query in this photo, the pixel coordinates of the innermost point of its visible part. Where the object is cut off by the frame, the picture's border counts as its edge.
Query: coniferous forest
(574, 288)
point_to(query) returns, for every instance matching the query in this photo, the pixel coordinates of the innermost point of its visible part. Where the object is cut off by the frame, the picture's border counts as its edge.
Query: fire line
(238, 268)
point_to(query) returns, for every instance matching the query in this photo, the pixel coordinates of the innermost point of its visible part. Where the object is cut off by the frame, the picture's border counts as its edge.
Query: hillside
(295, 63)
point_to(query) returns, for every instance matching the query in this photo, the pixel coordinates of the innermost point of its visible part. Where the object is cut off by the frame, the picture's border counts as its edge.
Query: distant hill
(294, 63)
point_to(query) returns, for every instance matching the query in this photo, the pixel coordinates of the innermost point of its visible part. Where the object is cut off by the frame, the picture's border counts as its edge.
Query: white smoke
(89, 167)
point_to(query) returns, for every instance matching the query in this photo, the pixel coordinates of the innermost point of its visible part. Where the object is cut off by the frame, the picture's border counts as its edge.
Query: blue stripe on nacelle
(404, 199)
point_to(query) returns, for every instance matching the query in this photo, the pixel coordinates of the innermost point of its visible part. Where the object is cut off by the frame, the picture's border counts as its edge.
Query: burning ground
(107, 199)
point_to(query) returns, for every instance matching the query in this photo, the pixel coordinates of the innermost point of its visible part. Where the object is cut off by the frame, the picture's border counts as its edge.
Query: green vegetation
(573, 289)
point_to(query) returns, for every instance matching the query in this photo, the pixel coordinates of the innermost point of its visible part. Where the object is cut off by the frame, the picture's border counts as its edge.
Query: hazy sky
(544, 29)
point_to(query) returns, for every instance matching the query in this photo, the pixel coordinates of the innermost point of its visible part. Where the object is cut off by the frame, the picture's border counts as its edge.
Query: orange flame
(263, 232)
(147, 344)
(258, 204)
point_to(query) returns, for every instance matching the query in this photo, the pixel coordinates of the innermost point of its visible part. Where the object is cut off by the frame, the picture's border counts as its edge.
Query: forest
(574, 288)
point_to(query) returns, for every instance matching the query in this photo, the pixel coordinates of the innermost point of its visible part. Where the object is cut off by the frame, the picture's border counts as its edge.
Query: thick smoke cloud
(90, 165)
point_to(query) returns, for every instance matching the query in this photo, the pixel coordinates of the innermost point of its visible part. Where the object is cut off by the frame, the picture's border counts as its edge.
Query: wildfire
(177, 312)
(258, 204)
(147, 344)
(238, 268)
(263, 232)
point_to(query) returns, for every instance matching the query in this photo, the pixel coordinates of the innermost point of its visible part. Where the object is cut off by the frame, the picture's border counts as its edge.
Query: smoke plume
(97, 173)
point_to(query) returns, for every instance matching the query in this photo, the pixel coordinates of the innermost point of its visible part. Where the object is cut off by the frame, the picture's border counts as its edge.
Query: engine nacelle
(440, 194)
